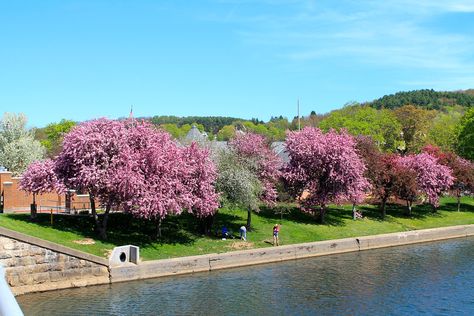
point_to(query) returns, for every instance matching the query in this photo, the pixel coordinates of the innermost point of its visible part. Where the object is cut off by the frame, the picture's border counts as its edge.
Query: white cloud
(403, 34)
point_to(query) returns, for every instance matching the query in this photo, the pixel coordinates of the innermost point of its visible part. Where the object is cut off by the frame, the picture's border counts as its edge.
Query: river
(431, 278)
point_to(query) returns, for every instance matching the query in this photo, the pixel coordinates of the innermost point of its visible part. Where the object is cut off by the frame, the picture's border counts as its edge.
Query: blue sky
(85, 59)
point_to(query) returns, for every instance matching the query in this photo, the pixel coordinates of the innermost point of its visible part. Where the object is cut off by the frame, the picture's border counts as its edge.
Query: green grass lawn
(181, 235)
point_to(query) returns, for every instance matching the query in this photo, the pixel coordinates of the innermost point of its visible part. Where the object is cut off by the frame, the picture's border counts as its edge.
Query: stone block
(25, 261)
(13, 279)
(26, 278)
(99, 271)
(72, 265)
(18, 253)
(10, 245)
(41, 259)
(55, 276)
(72, 274)
(5, 255)
(8, 262)
(61, 257)
(38, 268)
(39, 278)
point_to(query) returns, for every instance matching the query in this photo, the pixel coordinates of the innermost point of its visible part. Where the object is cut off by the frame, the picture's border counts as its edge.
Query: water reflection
(434, 278)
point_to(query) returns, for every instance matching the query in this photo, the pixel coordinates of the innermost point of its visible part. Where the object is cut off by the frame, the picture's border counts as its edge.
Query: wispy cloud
(404, 34)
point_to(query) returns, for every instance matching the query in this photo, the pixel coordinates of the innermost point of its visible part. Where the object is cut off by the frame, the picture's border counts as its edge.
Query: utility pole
(299, 121)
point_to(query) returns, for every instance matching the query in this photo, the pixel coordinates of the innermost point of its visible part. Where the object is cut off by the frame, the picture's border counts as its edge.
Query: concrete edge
(240, 258)
(218, 261)
(51, 286)
(53, 246)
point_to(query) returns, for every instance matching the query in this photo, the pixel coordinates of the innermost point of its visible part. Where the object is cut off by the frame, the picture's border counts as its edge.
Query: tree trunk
(322, 213)
(249, 219)
(158, 228)
(94, 212)
(459, 201)
(409, 205)
(103, 224)
(383, 207)
(208, 222)
(354, 211)
(33, 208)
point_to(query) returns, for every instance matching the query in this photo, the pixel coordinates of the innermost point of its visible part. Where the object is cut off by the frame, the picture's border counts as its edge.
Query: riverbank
(181, 235)
(34, 265)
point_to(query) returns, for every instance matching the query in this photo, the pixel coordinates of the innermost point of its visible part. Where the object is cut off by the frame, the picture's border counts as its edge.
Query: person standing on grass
(243, 233)
(276, 230)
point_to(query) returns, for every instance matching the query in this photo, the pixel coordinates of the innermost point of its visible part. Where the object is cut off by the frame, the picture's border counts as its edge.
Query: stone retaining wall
(31, 267)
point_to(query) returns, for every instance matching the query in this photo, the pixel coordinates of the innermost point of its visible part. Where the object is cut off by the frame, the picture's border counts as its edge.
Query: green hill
(429, 99)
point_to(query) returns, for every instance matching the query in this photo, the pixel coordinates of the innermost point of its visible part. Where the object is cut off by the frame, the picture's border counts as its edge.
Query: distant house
(195, 135)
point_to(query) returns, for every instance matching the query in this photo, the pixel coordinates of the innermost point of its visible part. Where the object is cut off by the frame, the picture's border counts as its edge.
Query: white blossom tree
(18, 148)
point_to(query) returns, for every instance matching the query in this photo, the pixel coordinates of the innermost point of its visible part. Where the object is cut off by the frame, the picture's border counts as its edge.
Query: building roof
(280, 149)
(194, 135)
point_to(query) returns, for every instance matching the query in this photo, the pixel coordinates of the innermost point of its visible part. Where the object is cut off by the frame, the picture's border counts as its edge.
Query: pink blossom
(40, 178)
(326, 166)
(432, 177)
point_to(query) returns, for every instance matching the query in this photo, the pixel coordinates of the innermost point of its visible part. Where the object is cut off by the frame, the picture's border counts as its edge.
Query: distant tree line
(426, 98)
(404, 122)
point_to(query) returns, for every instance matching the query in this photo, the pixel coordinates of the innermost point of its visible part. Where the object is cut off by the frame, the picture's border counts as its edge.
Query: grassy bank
(181, 235)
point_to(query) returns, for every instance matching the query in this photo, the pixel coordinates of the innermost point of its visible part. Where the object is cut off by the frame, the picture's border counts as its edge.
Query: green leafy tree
(415, 126)
(465, 147)
(180, 132)
(54, 133)
(173, 129)
(381, 125)
(442, 131)
(226, 133)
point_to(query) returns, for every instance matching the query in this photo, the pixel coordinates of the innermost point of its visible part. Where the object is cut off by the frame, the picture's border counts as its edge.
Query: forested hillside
(210, 124)
(429, 99)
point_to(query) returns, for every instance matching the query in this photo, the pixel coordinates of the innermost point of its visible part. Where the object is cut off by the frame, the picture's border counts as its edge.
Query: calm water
(432, 279)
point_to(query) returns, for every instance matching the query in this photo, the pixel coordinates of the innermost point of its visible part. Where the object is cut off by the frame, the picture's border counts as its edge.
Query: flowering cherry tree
(160, 178)
(92, 161)
(256, 154)
(463, 171)
(326, 167)
(40, 178)
(200, 179)
(432, 177)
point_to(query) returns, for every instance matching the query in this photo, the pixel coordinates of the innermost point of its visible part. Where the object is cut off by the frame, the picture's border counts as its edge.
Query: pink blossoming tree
(463, 171)
(92, 161)
(432, 177)
(326, 167)
(40, 178)
(162, 178)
